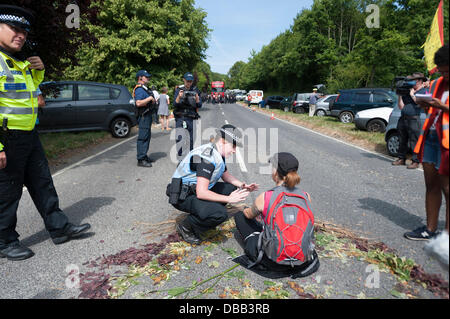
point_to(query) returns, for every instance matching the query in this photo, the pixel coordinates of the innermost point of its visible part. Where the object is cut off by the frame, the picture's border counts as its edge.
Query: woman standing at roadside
(163, 110)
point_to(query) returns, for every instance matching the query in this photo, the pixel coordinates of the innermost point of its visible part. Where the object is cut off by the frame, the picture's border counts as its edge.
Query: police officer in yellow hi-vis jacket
(22, 158)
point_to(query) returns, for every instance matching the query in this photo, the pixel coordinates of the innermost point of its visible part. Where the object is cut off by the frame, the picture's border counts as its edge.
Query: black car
(82, 106)
(274, 102)
(300, 102)
(349, 102)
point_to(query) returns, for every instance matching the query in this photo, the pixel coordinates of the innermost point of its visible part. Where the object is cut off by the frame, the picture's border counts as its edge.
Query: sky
(240, 26)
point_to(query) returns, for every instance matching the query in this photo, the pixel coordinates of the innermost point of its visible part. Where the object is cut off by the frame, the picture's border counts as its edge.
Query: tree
(167, 38)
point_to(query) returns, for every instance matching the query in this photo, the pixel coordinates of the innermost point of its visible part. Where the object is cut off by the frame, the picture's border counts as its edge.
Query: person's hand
(251, 188)
(436, 103)
(2, 160)
(197, 99)
(36, 63)
(237, 196)
(180, 94)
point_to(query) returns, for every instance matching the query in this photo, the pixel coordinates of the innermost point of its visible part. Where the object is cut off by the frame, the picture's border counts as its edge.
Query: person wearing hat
(22, 158)
(286, 179)
(409, 122)
(312, 102)
(202, 195)
(186, 103)
(145, 102)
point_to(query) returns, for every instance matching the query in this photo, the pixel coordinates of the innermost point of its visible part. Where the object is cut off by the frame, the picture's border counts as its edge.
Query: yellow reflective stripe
(15, 110)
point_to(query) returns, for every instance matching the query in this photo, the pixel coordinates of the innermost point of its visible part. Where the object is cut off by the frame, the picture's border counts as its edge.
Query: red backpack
(288, 231)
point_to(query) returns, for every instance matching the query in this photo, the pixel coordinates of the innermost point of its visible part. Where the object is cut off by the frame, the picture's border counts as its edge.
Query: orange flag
(435, 39)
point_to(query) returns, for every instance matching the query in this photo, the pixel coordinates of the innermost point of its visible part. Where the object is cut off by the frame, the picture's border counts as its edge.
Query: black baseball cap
(230, 134)
(284, 163)
(16, 17)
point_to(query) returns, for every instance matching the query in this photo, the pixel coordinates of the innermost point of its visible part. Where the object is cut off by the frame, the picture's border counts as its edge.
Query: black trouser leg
(205, 215)
(39, 183)
(403, 132)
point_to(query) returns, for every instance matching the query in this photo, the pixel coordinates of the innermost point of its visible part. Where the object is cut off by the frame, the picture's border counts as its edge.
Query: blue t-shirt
(38, 92)
(140, 94)
(411, 108)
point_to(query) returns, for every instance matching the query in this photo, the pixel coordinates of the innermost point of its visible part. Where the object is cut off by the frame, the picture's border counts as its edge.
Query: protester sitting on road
(163, 109)
(286, 208)
(432, 150)
(197, 189)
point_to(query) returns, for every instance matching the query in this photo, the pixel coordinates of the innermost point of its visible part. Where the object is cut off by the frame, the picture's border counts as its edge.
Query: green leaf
(177, 291)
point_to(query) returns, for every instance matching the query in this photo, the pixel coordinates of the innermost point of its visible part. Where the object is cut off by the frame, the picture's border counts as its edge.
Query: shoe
(421, 233)
(71, 231)
(15, 251)
(144, 163)
(168, 129)
(188, 235)
(400, 161)
(413, 165)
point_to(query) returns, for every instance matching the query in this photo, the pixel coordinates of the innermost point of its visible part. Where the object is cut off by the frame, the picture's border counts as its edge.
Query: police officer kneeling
(22, 158)
(195, 186)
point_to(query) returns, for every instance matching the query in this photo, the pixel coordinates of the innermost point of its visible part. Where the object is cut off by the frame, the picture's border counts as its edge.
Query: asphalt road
(349, 186)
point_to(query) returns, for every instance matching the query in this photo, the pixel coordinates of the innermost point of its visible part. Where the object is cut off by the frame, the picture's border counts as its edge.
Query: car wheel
(120, 127)
(376, 126)
(346, 117)
(320, 113)
(393, 144)
(299, 110)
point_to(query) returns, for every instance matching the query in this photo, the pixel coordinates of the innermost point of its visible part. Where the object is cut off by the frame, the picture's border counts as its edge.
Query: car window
(379, 97)
(115, 93)
(92, 92)
(345, 97)
(58, 93)
(329, 99)
(361, 97)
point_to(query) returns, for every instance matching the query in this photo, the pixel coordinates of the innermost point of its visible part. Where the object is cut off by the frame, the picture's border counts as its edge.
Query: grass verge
(58, 145)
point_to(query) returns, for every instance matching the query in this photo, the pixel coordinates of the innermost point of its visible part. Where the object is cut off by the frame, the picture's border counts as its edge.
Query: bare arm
(204, 193)
(256, 209)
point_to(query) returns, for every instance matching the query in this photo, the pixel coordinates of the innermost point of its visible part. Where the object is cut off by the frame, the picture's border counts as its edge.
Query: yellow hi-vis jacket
(18, 98)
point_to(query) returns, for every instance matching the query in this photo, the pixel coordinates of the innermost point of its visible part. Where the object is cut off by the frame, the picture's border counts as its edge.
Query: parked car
(392, 136)
(286, 104)
(274, 102)
(349, 102)
(323, 105)
(300, 102)
(82, 106)
(373, 120)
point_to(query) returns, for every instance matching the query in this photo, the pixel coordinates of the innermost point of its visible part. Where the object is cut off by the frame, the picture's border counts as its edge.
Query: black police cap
(17, 17)
(231, 134)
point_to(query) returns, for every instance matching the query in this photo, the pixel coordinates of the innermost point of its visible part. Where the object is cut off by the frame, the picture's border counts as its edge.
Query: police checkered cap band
(231, 135)
(13, 18)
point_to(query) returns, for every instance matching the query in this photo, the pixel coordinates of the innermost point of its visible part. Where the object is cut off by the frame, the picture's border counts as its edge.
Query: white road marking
(239, 158)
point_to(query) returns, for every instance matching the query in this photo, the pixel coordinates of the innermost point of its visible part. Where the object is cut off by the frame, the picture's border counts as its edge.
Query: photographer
(186, 102)
(409, 122)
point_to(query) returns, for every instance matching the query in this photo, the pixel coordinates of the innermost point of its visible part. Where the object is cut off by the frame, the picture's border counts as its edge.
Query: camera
(189, 99)
(403, 86)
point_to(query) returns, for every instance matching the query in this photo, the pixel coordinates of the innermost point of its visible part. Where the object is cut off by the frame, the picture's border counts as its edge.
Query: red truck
(217, 89)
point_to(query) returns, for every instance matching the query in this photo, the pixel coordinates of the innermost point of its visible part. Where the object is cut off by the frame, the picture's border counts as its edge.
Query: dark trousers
(184, 135)
(409, 130)
(27, 165)
(205, 215)
(144, 135)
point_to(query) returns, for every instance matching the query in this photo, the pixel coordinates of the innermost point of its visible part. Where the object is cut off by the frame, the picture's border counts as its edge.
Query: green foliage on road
(331, 44)
(167, 38)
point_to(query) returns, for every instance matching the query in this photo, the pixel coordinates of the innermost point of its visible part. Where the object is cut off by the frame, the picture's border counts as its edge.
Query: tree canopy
(330, 43)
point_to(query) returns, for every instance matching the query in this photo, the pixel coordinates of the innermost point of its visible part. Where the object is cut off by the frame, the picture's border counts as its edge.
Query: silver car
(323, 105)
(392, 136)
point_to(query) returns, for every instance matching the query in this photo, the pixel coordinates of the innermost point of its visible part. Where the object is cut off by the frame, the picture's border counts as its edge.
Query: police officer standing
(22, 158)
(195, 186)
(145, 102)
(186, 102)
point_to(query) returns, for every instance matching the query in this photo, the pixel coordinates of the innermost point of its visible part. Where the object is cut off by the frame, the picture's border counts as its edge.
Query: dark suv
(300, 102)
(274, 102)
(82, 106)
(350, 102)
